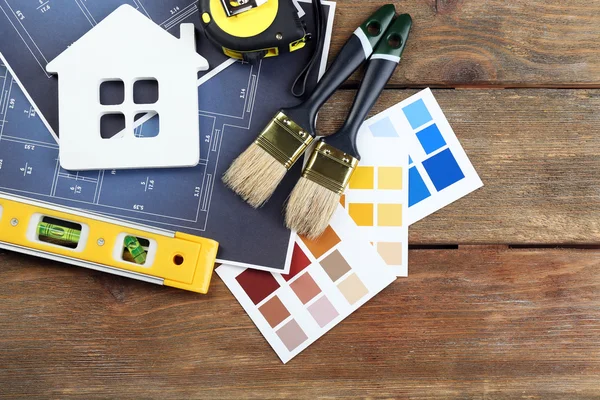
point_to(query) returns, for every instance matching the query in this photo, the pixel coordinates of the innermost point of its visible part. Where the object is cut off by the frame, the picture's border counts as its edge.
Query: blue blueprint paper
(234, 107)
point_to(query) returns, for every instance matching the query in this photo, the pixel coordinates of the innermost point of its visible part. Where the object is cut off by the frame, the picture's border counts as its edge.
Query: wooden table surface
(503, 298)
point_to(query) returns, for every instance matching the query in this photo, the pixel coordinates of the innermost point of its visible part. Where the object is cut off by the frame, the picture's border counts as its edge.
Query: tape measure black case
(250, 30)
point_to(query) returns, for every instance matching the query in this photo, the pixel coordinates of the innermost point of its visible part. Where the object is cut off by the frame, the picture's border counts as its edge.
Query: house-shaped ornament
(125, 50)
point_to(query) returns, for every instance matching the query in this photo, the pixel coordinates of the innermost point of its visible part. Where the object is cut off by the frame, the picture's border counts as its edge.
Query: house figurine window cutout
(123, 51)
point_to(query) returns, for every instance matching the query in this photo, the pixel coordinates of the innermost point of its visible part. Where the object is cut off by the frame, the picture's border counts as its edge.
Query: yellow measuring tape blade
(248, 24)
(179, 260)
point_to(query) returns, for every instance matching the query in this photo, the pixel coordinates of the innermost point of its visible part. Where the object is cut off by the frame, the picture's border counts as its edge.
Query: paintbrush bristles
(254, 175)
(310, 208)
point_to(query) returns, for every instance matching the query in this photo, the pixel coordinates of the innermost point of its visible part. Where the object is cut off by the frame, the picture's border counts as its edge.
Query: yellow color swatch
(363, 178)
(389, 214)
(390, 178)
(361, 213)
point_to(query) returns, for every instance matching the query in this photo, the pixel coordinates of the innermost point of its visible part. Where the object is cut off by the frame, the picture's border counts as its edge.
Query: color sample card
(439, 170)
(377, 197)
(329, 279)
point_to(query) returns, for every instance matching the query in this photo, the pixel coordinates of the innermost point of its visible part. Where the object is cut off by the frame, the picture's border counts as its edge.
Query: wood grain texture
(516, 43)
(479, 322)
(469, 323)
(538, 154)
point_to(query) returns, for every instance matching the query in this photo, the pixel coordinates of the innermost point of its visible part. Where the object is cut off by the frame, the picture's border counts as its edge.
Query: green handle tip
(395, 38)
(375, 27)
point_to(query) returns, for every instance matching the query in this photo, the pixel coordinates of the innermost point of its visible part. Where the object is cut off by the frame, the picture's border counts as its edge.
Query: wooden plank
(517, 43)
(474, 323)
(538, 154)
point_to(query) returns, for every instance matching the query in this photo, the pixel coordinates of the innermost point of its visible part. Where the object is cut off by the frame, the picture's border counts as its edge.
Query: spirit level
(96, 242)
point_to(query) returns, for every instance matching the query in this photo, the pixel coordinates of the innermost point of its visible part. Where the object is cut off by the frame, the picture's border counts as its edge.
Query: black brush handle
(354, 53)
(380, 69)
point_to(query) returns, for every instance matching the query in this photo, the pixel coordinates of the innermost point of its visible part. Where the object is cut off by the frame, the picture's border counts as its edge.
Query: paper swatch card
(329, 279)
(439, 170)
(377, 197)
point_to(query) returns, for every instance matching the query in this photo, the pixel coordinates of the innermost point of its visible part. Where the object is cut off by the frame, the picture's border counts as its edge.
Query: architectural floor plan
(236, 101)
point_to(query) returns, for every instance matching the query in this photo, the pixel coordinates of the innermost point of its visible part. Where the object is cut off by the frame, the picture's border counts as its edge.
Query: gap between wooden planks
(516, 43)
(468, 323)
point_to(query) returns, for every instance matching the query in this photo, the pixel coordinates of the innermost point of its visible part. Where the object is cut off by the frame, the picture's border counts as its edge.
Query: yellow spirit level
(253, 29)
(96, 242)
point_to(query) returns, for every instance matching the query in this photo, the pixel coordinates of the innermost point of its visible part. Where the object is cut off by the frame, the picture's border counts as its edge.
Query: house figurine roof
(125, 35)
(129, 47)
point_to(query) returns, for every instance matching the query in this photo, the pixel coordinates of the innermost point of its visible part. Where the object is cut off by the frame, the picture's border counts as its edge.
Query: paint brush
(257, 172)
(335, 158)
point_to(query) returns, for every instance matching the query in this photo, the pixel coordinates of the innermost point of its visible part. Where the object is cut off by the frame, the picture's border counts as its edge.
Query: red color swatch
(258, 285)
(299, 262)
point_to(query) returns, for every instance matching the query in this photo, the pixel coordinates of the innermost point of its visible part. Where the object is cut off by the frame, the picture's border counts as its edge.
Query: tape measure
(250, 30)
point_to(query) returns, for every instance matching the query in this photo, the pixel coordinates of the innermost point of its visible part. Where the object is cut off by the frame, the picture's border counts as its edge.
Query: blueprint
(235, 104)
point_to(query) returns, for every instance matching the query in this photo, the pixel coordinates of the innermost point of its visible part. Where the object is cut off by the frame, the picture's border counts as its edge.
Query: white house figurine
(127, 47)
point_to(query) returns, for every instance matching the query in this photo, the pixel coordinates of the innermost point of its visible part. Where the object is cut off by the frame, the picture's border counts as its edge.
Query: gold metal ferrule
(330, 167)
(285, 140)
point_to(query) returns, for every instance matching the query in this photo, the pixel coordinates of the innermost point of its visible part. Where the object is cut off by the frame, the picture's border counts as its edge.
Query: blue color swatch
(417, 190)
(443, 170)
(410, 161)
(384, 128)
(431, 139)
(417, 114)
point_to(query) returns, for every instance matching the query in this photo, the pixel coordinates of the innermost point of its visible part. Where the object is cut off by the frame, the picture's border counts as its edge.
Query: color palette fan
(366, 245)
(329, 279)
